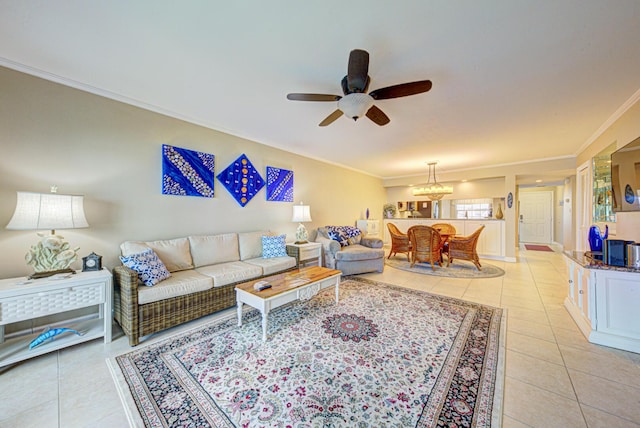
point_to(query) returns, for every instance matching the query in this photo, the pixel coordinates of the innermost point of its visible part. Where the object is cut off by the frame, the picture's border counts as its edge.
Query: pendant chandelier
(433, 190)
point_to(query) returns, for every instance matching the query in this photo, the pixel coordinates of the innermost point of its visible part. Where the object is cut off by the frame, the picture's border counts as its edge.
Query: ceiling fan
(356, 102)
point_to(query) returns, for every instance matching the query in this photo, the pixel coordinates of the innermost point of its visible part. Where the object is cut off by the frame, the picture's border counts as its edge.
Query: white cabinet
(22, 300)
(604, 304)
(579, 296)
(370, 227)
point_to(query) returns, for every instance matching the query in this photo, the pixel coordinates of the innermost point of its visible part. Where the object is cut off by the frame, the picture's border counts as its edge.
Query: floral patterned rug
(383, 356)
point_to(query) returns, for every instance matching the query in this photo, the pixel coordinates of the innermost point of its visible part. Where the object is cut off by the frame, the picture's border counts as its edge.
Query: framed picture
(187, 172)
(279, 184)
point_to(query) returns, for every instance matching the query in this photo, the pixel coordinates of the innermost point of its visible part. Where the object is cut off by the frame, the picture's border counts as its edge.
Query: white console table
(22, 299)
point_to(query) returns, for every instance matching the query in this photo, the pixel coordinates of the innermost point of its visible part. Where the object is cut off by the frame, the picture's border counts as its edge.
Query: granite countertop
(587, 260)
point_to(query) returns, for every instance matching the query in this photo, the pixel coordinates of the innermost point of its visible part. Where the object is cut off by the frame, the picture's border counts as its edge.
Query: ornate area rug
(458, 269)
(383, 357)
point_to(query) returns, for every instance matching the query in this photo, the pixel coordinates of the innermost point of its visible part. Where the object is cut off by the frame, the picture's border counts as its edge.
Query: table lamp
(49, 211)
(301, 214)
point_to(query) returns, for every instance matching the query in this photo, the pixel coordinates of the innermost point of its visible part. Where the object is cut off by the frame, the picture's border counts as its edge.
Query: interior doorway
(535, 221)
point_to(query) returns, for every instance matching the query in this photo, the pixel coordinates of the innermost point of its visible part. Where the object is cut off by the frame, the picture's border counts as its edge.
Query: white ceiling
(513, 81)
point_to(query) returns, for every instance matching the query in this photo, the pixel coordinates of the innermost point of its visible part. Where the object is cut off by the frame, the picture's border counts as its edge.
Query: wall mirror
(602, 192)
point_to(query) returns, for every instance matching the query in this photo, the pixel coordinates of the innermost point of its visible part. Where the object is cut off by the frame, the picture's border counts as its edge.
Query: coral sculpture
(52, 253)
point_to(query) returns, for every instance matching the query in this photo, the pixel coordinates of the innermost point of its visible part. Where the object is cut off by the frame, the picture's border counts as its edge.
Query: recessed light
(538, 181)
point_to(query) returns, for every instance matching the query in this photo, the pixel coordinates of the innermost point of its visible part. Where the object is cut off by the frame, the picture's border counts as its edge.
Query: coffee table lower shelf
(285, 288)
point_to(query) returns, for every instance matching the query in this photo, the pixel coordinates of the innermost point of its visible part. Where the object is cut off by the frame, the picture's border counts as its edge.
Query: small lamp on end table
(301, 214)
(49, 211)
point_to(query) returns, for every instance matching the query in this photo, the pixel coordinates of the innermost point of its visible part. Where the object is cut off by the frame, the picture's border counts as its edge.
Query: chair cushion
(274, 246)
(274, 264)
(149, 267)
(180, 284)
(212, 249)
(359, 252)
(345, 235)
(251, 244)
(230, 272)
(174, 253)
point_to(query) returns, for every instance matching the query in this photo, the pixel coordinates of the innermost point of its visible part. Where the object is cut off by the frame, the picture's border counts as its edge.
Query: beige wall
(622, 131)
(111, 153)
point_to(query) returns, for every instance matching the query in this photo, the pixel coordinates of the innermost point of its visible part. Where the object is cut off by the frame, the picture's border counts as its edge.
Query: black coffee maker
(614, 251)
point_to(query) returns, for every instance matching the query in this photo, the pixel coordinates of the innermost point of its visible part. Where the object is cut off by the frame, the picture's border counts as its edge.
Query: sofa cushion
(180, 284)
(148, 266)
(213, 249)
(274, 264)
(251, 244)
(274, 246)
(345, 235)
(359, 252)
(174, 253)
(230, 272)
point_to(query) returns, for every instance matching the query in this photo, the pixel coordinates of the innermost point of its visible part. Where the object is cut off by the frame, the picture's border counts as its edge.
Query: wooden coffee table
(286, 287)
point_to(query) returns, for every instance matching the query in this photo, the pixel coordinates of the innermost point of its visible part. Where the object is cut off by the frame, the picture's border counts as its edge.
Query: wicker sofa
(204, 272)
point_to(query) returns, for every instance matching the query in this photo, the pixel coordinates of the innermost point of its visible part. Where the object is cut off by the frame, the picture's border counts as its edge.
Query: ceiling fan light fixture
(355, 105)
(433, 190)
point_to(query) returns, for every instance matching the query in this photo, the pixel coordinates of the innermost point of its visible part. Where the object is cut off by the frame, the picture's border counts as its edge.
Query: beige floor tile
(509, 422)
(18, 384)
(543, 374)
(539, 317)
(42, 415)
(598, 419)
(521, 302)
(533, 347)
(605, 364)
(533, 329)
(611, 397)
(536, 407)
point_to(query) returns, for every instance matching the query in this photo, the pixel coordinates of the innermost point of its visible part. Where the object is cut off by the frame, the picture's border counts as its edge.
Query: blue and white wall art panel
(279, 184)
(242, 180)
(187, 172)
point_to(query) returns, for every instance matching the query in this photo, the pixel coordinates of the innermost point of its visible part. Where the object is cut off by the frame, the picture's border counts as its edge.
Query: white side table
(306, 254)
(22, 300)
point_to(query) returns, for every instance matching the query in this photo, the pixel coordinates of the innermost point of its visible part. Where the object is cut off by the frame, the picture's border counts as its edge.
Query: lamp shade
(301, 213)
(40, 211)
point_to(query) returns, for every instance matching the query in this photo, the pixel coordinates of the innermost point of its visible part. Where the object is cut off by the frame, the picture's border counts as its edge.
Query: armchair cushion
(345, 235)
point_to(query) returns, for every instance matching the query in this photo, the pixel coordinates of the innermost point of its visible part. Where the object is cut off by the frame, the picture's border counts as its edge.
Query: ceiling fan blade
(331, 118)
(313, 97)
(401, 90)
(357, 71)
(378, 116)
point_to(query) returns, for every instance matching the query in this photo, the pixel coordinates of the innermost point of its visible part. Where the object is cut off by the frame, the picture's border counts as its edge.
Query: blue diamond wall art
(187, 172)
(242, 180)
(279, 184)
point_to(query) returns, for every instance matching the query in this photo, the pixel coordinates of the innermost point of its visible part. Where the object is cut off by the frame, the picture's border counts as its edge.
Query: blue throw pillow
(342, 234)
(274, 246)
(148, 265)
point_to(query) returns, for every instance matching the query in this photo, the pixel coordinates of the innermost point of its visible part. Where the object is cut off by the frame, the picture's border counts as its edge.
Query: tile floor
(554, 377)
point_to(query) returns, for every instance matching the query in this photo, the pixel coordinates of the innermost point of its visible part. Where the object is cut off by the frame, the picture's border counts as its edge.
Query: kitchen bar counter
(491, 244)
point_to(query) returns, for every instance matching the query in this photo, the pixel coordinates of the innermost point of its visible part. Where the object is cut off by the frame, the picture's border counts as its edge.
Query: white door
(536, 217)
(583, 206)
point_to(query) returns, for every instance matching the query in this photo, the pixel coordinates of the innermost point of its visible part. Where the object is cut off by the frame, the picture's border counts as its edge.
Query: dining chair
(446, 231)
(464, 248)
(426, 245)
(399, 241)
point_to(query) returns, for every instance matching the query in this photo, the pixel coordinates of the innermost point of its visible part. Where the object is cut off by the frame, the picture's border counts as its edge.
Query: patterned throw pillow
(273, 246)
(148, 265)
(343, 234)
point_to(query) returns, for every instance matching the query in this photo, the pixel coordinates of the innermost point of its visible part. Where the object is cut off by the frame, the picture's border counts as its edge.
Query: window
(473, 208)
